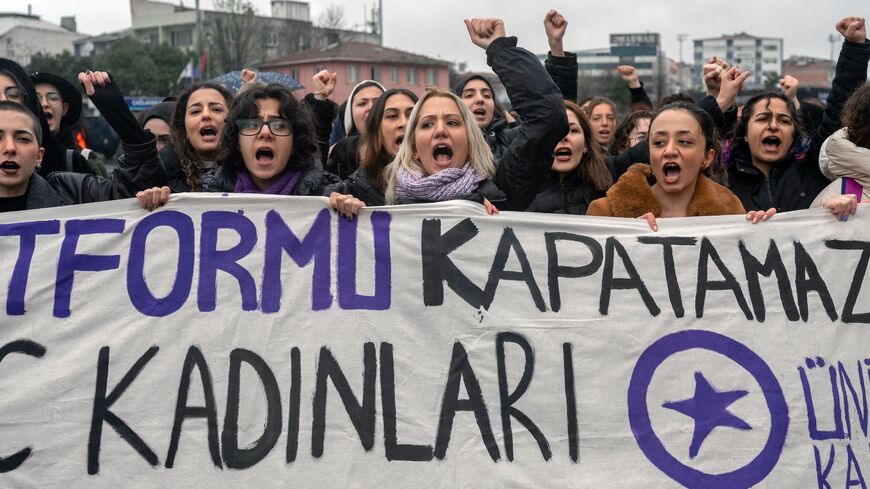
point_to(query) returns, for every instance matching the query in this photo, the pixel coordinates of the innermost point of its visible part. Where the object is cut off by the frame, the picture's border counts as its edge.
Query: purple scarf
(447, 184)
(282, 186)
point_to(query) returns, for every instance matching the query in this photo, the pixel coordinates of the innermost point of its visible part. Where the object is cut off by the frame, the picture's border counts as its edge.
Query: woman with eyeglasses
(268, 146)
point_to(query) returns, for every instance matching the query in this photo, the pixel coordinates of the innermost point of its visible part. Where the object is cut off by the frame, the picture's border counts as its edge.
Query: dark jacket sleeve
(124, 182)
(639, 153)
(526, 163)
(563, 71)
(324, 113)
(710, 106)
(640, 99)
(109, 100)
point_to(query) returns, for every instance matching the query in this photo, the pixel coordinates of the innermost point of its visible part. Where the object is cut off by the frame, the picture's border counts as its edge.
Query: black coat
(358, 185)
(344, 159)
(793, 184)
(524, 165)
(568, 196)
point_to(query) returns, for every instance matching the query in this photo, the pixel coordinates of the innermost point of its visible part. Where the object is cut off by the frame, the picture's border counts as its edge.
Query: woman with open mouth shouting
(683, 145)
(765, 169)
(578, 175)
(268, 146)
(384, 132)
(197, 122)
(444, 155)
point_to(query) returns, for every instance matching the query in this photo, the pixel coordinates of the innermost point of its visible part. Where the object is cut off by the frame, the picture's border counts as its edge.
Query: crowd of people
(551, 153)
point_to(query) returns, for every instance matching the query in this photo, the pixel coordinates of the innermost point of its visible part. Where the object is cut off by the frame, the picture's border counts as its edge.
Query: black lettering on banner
(439, 268)
(193, 359)
(461, 371)
(555, 270)
(394, 449)
(668, 244)
(849, 315)
(729, 282)
(507, 243)
(243, 458)
(294, 403)
(807, 278)
(362, 415)
(609, 283)
(571, 403)
(33, 349)
(508, 399)
(103, 404)
(772, 265)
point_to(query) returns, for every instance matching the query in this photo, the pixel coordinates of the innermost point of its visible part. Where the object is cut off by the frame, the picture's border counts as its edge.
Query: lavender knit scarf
(282, 186)
(447, 184)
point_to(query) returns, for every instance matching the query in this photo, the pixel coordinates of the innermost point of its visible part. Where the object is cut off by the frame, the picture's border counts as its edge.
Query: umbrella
(233, 80)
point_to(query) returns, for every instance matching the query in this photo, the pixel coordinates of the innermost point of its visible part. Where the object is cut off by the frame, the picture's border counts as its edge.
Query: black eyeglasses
(14, 94)
(252, 127)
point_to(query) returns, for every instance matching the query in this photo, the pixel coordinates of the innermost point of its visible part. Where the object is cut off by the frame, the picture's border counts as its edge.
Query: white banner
(244, 341)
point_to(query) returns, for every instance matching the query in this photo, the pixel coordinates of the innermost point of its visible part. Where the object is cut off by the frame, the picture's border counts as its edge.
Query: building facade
(288, 30)
(810, 72)
(24, 35)
(762, 56)
(597, 73)
(355, 62)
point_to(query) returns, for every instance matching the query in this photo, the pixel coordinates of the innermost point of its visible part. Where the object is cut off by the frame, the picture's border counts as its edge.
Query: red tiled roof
(353, 51)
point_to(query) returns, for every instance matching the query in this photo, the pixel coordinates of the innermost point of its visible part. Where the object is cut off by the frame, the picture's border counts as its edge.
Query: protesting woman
(385, 131)
(268, 146)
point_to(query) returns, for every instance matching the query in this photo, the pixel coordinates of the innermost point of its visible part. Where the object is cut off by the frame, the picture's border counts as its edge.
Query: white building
(759, 55)
(24, 35)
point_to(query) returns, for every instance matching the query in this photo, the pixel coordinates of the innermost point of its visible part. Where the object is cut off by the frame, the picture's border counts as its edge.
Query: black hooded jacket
(568, 196)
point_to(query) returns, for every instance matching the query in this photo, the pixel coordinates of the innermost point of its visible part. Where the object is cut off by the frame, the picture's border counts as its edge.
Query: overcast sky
(435, 28)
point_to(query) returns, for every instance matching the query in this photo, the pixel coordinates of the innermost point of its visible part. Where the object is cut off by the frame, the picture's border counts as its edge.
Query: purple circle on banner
(638, 412)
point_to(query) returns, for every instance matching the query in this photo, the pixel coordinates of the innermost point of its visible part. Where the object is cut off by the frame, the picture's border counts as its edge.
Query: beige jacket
(839, 158)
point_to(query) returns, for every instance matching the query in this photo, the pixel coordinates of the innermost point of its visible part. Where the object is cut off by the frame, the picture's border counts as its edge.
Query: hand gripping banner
(244, 341)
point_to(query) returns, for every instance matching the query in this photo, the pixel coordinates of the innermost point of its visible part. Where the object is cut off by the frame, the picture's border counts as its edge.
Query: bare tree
(234, 34)
(332, 17)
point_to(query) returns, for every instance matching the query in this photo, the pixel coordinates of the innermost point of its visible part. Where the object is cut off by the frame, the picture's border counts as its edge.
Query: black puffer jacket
(793, 184)
(525, 164)
(314, 179)
(568, 196)
(358, 185)
(343, 160)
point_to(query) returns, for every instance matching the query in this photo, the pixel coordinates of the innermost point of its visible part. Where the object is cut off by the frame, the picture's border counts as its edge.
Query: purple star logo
(709, 408)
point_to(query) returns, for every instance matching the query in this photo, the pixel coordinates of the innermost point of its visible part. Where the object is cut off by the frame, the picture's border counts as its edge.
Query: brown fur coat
(632, 196)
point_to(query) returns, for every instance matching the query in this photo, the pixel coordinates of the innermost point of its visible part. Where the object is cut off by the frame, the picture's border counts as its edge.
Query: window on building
(376, 73)
(770, 61)
(431, 77)
(353, 73)
(394, 75)
(294, 73)
(182, 38)
(771, 47)
(412, 75)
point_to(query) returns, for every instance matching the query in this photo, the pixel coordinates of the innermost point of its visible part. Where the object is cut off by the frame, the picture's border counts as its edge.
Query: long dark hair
(591, 170)
(245, 107)
(373, 155)
(187, 158)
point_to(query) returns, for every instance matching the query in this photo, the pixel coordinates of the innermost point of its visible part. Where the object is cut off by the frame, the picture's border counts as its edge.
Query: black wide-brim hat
(68, 93)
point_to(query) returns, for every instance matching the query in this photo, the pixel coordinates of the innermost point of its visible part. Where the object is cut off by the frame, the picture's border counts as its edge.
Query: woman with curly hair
(196, 126)
(268, 146)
